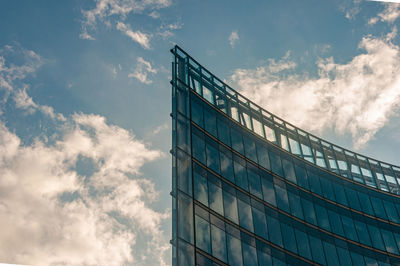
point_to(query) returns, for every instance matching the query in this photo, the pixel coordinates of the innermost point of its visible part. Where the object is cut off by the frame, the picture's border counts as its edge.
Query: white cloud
(386, 1)
(141, 38)
(107, 11)
(57, 210)
(143, 68)
(233, 38)
(390, 14)
(40, 228)
(357, 97)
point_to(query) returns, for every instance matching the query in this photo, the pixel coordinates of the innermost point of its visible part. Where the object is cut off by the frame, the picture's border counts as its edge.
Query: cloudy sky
(85, 131)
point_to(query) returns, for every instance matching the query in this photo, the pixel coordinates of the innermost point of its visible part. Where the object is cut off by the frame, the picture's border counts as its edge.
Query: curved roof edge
(322, 153)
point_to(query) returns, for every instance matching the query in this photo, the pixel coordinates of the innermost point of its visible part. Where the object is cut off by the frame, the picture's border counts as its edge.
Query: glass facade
(249, 188)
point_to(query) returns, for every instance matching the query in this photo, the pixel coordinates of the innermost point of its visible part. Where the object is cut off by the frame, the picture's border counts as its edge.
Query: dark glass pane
(185, 218)
(335, 222)
(249, 255)
(353, 199)
(210, 121)
(245, 217)
(357, 259)
(223, 132)
(314, 183)
(254, 182)
(184, 173)
(212, 155)
(218, 243)
(197, 111)
(378, 207)
(200, 187)
(281, 195)
(230, 206)
(309, 213)
(198, 146)
(250, 148)
(276, 164)
(288, 236)
(260, 223)
(317, 250)
(268, 191)
(234, 248)
(263, 157)
(331, 256)
(344, 257)
(295, 205)
(301, 174)
(327, 190)
(322, 217)
(185, 253)
(339, 193)
(389, 241)
(391, 211)
(274, 231)
(240, 173)
(375, 237)
(226, 164)
(237, 143)
(215, 198)
(362, 232)
(203, 234)
(365, 203)
(349, 229)
(264, 258)
(302, 244)
(288, 169)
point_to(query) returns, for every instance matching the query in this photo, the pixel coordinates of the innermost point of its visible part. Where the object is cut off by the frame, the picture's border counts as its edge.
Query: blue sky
(85, 100)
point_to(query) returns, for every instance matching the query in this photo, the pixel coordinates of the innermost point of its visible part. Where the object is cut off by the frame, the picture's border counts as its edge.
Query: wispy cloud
(112, 12)
(386, 1)
(143, 68)
(141, 38)
(390, 13)
(357, 97)
(233, 38)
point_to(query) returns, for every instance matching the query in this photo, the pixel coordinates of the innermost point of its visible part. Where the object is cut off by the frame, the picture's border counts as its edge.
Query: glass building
(252, 189)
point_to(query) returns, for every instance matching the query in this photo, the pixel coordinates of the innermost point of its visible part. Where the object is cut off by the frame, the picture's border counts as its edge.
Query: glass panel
(234, 250)
(203, 234)
(218, 243)
(258, 127)
(210, 121)
(295, 205)
(270, 134)
(249, 255)
(288, 236)
(309, 213)
(254, 182)
(274, 231)
(331, 256)
(260, 224)
(263, 157)
(250, 148)
(294, 146)
(215, 197)
(200, 185)
(245, 217)
(237, 143)
(226, 164)
(185, 218)
(281, 195)
(302, 244)
(197, 111)
(212, 155)
(276, 164)
(349, 229)
(230, 206)
(317, 250)
(185, 253)
(198, 146)
(240, 173)
(268, 190)
(375, 237)
(284, 142)
(208, 95)
(223, 132)
(289, 170)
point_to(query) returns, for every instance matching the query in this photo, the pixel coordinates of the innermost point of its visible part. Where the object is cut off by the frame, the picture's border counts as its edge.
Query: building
(251, 189)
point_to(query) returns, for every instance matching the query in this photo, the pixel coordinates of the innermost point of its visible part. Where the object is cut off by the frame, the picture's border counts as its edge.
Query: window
(218, 243)
(240, 173)
(245, 217)
(223, 132)
(263, 157)
(210, 121)
(200, 185)
(250, 148)
(212, 155)
(215, 197)
(230, 207)
(226, 164)
(254, 181)
(202, 234)
(234, 247)
(237, 143)
(268, 189)
(197, 111)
